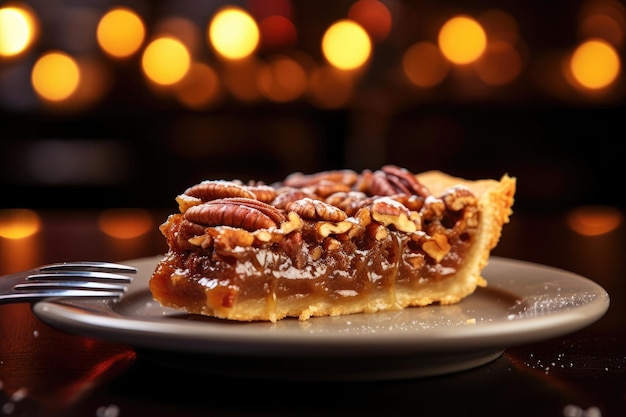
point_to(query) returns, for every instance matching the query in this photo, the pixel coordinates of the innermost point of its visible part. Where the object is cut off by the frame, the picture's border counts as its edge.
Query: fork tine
(66, 280)
(69, 284)
(43, 294)
(88, 265)
(79, 275)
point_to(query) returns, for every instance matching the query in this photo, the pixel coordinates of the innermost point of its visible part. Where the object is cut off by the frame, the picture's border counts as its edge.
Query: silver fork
(66, 279)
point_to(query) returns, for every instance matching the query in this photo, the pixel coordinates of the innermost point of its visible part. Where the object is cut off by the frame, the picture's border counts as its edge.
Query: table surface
(46, 372)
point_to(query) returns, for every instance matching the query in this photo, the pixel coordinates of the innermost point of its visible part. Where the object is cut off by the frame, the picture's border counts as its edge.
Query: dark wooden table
(46, 372)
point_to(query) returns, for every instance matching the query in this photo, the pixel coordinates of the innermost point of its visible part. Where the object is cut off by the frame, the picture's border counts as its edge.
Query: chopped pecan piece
(457, 198)
(392, 213)
(437, 247)
(348, 201)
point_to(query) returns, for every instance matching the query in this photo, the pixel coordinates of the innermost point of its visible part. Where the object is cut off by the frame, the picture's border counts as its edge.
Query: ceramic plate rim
(101, 320)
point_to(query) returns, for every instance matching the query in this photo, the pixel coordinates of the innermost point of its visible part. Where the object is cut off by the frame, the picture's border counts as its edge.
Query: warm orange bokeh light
(500, 26)
(277, 32)
(373, 16)
(424, 65)
(282, 79)
(18, 29)
(594, 220)
(604, 19)
(165, 61)
(595, 64)
(346, 45)
(462, 40)
(95, 82)
(604, 27)
(233, 33)
(200, 88)
(183, 29)
(330, 88)
(500, 64)
(240, 79)
(120, 32)
(18, 223)
(125, 223)
(55, 76)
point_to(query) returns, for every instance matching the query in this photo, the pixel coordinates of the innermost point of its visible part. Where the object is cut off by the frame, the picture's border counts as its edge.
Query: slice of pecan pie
(329, 243)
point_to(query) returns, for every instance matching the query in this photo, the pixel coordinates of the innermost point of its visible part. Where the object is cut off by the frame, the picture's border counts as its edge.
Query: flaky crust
(495, 201)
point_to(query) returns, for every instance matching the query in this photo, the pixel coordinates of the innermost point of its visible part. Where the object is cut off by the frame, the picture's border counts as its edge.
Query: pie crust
(329, 243)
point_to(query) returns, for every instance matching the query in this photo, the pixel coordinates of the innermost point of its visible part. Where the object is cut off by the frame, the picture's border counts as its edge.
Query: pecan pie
(329, 243)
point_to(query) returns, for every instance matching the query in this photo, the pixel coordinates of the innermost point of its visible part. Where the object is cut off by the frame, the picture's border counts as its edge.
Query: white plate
(523, 303)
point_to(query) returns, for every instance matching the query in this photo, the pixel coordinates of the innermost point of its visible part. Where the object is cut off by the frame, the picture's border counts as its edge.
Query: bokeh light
(500, 64)
(55, 76)
(240, 79)
(374, 16)
(183, 29)
(500, 26)
(125, 223)
(95, 82)
(200, 88)
(282, 79)
(18, 29)
(120, 32)
(462, 39)
(165, 61)
(330, 88)
(18, 223)
(424, 65)
(233, 33)
(594, 220)
(346, 45)
(603, 19)
(277, 32)
(595, 64)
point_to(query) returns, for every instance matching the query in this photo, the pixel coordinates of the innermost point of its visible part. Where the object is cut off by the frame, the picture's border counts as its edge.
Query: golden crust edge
(495, 202)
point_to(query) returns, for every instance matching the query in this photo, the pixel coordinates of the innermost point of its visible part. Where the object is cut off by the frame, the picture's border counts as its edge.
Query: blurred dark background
(133, 145)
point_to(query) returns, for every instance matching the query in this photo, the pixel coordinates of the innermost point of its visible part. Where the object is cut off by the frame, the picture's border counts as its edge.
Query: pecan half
(236, 212)
(403, 177)
(265, 193)
(325, 187)
(392, 180)
(312, 209)
(213, 190)
(272, 212)
(288, 194)
(300, 180)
